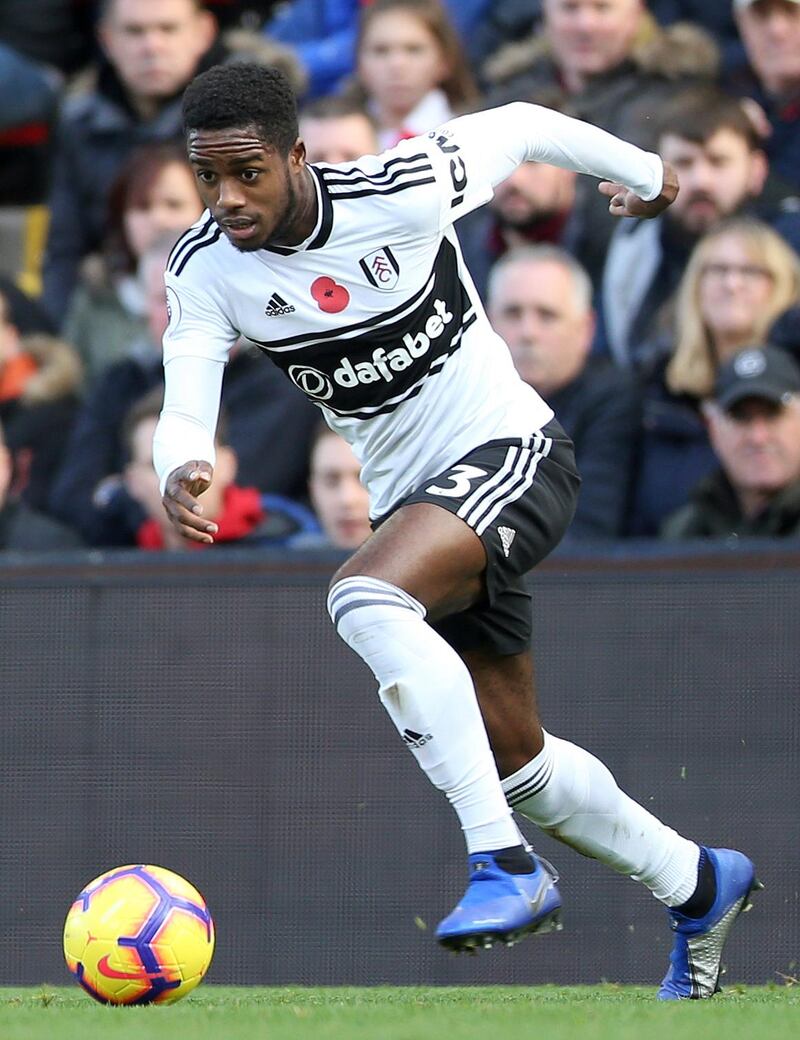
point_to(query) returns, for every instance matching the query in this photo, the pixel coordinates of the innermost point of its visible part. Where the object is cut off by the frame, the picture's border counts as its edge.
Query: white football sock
(428, 692)
(571, 795)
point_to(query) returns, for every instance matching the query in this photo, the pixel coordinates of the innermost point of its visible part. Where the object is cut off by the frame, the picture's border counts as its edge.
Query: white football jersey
(374, 317)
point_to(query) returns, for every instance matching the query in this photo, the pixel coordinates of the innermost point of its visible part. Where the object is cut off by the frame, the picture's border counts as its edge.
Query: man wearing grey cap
(770, 31)
(754, 426)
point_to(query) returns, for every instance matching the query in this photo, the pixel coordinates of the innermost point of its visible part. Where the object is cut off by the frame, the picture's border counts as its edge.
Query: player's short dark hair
(240, 95)
(696, 114)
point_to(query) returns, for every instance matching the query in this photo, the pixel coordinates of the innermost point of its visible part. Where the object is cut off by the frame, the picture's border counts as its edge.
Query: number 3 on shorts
(461, 476)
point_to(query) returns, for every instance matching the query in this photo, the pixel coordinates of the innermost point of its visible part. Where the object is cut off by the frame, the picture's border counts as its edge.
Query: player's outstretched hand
(183, 488)
(625, 203)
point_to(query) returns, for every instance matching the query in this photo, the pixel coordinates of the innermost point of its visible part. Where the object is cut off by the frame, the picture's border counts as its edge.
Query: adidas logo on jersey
(507, 536)
(416, 740)
(278, 306)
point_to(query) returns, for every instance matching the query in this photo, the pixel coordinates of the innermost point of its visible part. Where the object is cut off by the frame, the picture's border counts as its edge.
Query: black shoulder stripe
(402, 172)
(363, 192)
(192, 235)
(326, 224)
(358, 174)
(187, 256)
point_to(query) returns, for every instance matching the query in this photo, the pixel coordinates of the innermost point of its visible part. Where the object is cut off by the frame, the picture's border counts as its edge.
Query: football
(138, 935)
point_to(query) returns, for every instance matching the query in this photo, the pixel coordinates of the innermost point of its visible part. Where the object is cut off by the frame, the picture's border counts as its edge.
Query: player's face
(534, 191)
(399, 62)
(155, 45)
(172, 204)
(734, 289)
(591, 36)
(770, 30)
(255, 194)
(338, 139)
(758, 443)
(534, 308)
(339, 498)
(716, 177)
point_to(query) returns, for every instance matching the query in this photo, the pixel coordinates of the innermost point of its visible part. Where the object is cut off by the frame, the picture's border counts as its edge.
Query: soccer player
(350, 278)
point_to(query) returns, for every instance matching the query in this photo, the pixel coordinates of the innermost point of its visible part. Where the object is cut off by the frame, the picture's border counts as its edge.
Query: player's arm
(493, 143)
(197, 343)
(183, 445)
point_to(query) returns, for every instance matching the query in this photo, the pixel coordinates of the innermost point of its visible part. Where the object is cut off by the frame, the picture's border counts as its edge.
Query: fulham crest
(381, 268)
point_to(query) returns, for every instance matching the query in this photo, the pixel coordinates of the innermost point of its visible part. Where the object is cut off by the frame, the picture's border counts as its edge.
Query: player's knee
(360, 598)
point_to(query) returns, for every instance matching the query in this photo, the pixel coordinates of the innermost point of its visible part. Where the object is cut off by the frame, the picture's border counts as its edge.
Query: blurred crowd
(669, 348)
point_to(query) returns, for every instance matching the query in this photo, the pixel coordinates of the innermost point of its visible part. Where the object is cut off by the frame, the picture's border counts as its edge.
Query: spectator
(336, 130)
(754, 425)
(505, 22)
(713, 145)
(41, 42)
(411, 68)
(716, 18)
(612, 60)
(40, 379)
(337, 495)
(614, 66)
(539, 301)
(770, 31)
(154, 194)
(261, 405)
(538, 203)
(741, 276)
(21, 527)
(241, 513)
(152, 50)
(25, 312)
(323, 34)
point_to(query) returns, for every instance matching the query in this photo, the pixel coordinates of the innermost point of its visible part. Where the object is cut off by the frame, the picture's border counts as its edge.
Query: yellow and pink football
(139, 935)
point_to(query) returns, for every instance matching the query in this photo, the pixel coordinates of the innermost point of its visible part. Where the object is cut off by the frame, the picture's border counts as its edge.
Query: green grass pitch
(601, 1012)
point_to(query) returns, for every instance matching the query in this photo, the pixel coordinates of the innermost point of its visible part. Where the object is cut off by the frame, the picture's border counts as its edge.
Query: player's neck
(303, 215)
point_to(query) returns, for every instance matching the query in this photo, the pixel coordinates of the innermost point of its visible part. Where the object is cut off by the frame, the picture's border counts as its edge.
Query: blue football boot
(697, 951)
(501, 907)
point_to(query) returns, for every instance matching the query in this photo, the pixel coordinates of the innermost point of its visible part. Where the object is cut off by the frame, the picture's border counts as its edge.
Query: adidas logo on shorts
(507, 535)
(278, 306)
(416, 740)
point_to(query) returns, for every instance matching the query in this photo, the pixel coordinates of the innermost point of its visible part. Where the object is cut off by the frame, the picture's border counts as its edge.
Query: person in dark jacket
(741, 277)
(754, 426)
(770, 31)
(262, 405)
(712, 143)
(537, 204)
(539, 301)
(152, 49)
(243, 515)
(23, 528)
(40, 385)
(614, 66)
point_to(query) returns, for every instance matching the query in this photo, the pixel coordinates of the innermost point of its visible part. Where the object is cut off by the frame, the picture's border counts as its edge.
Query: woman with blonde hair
(740, 278)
